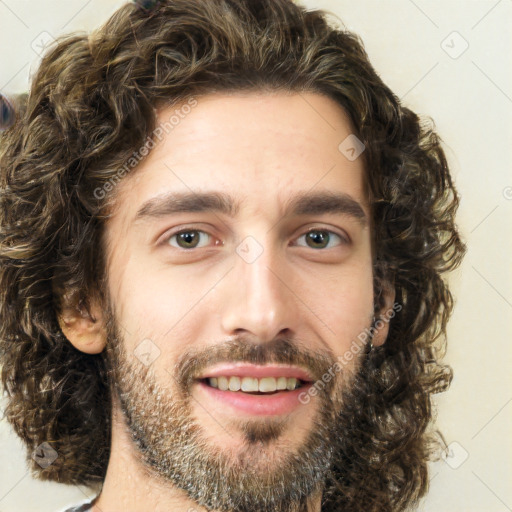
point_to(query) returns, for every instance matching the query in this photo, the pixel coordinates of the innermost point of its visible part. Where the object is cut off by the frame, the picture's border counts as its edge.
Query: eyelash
(343, 240)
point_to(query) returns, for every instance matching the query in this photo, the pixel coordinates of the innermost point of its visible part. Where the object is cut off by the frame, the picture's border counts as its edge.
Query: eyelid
(164, 239)
(344, 236)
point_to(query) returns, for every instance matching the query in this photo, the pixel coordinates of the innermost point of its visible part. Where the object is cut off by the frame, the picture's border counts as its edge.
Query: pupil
(188, 237)
(318, 237)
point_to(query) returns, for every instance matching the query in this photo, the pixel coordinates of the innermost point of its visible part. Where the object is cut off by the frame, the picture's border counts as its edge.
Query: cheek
(346, 306)
(160, 305)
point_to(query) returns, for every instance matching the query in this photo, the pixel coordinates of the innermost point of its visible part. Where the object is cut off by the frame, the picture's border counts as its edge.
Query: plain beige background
(447, 59)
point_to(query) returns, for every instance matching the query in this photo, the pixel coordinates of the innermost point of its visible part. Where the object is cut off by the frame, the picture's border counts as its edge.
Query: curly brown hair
(93, 102)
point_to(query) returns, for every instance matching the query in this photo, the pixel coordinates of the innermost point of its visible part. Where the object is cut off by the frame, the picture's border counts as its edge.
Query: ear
(384, 316)
(84, 327)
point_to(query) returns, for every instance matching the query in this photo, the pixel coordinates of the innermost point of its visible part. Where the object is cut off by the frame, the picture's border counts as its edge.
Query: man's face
(249, 287)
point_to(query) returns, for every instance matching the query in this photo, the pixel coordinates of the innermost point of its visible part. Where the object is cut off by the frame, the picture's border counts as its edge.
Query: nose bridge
(259, 300)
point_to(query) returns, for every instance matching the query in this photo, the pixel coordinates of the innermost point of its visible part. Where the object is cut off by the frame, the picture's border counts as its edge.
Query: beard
(266, 473)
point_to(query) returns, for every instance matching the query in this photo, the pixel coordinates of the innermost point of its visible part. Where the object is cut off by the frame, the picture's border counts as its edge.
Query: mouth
(254, 385)
(255, 390)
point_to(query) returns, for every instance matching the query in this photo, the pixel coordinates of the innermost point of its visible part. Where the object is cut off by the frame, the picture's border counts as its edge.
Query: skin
(262, 149)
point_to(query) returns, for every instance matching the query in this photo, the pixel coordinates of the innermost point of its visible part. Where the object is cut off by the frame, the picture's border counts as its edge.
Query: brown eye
(321, 238)
(187, 239)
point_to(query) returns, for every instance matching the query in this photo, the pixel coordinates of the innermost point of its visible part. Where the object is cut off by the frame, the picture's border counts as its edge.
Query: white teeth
(223, 383)
(249, 384)
(281, 383)
(291, 384)
(268, 384)
(234, 384)
(252, 384)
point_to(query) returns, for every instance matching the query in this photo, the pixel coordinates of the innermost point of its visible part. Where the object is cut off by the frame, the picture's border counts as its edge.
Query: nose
(258, 298)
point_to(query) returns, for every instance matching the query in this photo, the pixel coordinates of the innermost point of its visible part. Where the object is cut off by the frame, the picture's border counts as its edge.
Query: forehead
(260, 147)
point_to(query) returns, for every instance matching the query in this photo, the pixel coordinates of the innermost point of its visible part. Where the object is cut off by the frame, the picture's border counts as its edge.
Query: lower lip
(283, 402)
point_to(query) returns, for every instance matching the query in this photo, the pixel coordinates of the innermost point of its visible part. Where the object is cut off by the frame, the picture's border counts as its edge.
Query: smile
(263, 385)
(252, 403)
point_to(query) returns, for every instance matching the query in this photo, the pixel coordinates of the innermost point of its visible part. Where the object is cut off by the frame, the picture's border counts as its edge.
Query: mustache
(193, 362)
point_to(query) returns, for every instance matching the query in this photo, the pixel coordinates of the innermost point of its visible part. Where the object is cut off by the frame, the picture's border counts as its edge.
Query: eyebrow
(304, 203)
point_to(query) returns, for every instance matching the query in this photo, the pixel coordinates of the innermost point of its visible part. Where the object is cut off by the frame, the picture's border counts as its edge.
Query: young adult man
(222, 245)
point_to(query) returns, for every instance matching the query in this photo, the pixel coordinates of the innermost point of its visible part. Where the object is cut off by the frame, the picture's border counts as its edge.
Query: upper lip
(258, 371)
